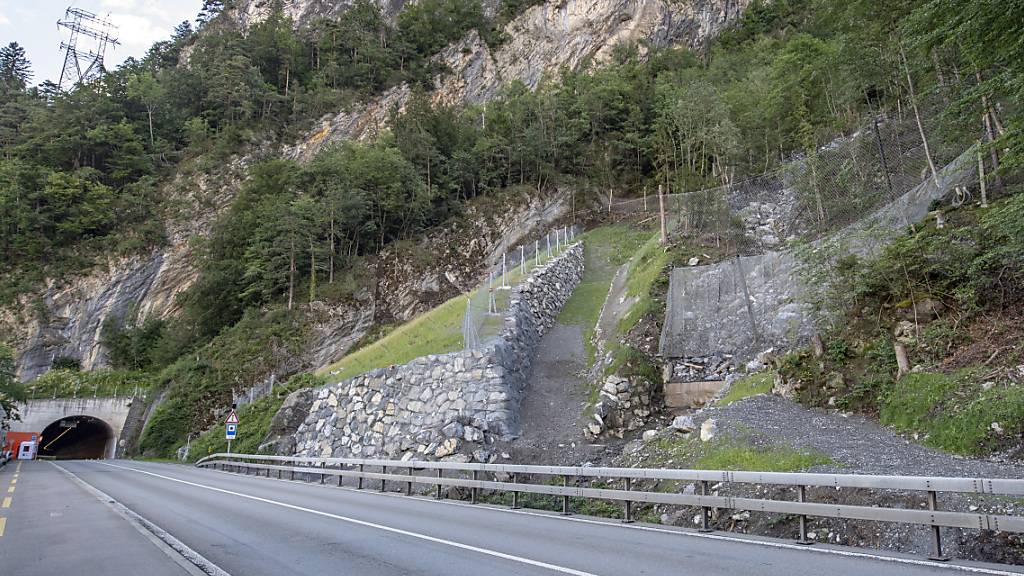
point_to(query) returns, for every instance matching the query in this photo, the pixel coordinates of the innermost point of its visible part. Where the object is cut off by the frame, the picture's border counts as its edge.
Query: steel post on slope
(801, 493)
(705, 511)
(565, 497)
(937, 554)
(627, 504)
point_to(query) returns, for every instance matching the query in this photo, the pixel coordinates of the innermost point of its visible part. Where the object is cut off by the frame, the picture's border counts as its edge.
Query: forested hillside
(85, 175)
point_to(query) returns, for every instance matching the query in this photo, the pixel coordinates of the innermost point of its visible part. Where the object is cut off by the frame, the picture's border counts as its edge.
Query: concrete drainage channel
(474, 477)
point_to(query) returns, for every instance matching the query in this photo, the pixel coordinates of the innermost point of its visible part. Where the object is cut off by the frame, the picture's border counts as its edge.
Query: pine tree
(15, 69)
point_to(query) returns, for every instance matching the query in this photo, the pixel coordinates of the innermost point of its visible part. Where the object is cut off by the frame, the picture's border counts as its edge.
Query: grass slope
(605, 249)
(436, 331)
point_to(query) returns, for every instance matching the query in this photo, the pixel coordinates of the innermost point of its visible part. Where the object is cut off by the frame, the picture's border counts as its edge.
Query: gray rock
(708, 429)
(683, 424)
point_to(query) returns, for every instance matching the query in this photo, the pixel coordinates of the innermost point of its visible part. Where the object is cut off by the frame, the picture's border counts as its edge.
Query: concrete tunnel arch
(77, 437)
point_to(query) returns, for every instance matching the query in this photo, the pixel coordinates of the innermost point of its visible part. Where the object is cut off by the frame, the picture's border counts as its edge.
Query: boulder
(286, 422)
(708, 429)
(649, 435)
(447, 448)
(452, 430)
(471, 434)
(683, 424)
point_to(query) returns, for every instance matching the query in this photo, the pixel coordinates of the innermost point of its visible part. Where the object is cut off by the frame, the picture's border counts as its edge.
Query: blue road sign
(231, 431)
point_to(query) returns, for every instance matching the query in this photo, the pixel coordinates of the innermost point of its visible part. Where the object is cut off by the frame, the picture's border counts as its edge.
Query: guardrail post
(475, 493)
(359, 481)
(383, 482)
(705, 511)
(565, 497)
(340, 477)
(292, 470)
(628, 505)
(408, 484)
(933, 505)
(801, 492)
(515, 493)
(279, 472)
(440, 474)
(322, 475)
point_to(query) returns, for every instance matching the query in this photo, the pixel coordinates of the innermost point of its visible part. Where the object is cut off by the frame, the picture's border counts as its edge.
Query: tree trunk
(661, 208)
(291, 273)
(149, 111)
(917, 117)
(902, 362)
(330, 265)
(312, 271)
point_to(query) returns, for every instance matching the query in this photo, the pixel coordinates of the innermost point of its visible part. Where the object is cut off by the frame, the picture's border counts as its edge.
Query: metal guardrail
(357, 468)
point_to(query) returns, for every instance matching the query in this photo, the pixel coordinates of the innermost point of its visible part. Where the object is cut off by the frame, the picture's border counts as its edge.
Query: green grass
(604, 249)
(644, 271)
(253, 423)
(954, 412)
(731, 454)
(725, 456)
(752, 385)
(86, 384)
(436, 331)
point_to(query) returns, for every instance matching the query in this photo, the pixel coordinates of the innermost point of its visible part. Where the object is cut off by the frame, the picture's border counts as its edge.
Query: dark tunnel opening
(76, 437)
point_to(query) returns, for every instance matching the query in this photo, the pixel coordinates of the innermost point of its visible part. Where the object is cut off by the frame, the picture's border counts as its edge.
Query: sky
(33, 25)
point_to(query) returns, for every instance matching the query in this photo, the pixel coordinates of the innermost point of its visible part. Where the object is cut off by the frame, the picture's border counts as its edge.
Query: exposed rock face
(543, 40)
(438, 405)
(65, 319)
(286, 422)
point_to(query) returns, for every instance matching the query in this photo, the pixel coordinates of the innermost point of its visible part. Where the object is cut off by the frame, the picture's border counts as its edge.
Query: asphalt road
(251, 526)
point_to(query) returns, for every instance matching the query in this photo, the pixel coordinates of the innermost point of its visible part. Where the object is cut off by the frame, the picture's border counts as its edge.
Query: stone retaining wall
(444, 405)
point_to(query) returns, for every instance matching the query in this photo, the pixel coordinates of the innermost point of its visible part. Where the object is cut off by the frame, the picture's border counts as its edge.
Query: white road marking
(485, 551)
(677, 532)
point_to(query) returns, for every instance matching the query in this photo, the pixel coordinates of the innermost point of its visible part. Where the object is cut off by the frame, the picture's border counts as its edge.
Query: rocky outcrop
(438, 406)
(556, 35)
(287, 420)
(63, 318)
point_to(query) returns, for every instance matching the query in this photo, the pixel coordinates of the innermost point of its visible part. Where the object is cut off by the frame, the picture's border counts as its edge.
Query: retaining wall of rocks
(445, 405)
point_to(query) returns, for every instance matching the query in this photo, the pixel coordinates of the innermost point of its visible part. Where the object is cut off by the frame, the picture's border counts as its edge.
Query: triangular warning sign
(232, 418)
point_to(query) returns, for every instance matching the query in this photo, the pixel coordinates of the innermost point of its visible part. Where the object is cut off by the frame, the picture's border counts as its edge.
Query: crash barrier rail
(705, 500)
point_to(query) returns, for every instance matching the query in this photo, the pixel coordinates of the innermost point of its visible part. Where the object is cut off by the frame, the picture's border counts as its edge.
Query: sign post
(231, 428)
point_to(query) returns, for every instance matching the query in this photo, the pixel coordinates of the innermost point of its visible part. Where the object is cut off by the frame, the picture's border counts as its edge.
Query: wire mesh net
(486, 306)
(815, 194)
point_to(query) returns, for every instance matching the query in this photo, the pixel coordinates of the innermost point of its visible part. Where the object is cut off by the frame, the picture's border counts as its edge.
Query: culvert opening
(76, 437)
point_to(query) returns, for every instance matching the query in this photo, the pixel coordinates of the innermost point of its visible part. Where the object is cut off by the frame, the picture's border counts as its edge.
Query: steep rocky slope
(64, 319)
(540, 42)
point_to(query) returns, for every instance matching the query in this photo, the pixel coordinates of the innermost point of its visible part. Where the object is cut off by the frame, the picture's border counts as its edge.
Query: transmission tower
(84, 63)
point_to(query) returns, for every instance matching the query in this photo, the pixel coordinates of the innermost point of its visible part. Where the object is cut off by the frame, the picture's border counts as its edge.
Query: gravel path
(552, 410)
(856, 443)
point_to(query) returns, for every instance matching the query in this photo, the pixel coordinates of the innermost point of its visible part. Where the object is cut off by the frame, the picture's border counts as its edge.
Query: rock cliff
(65, 319)
(540, 42)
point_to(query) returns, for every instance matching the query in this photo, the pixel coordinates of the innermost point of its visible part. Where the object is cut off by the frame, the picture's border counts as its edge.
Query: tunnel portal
(76, 437)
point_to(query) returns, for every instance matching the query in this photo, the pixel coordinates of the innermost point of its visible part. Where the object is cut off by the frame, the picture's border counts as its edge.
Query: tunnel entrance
(76, 437)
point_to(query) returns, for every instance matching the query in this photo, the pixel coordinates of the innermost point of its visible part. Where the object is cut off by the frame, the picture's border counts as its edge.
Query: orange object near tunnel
(15, 439)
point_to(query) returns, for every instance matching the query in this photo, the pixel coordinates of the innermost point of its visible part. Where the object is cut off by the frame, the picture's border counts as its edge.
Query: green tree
(15, 69)
(11, 391)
